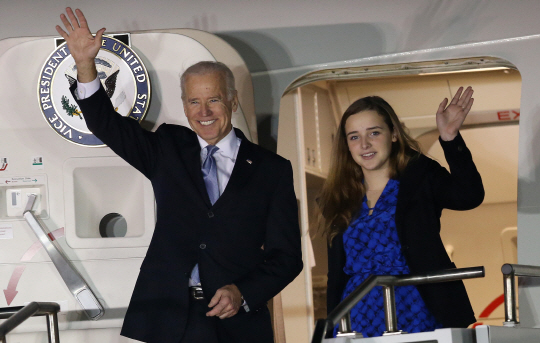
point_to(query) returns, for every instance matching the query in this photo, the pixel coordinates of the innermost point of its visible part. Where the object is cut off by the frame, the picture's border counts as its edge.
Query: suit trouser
(253, 326)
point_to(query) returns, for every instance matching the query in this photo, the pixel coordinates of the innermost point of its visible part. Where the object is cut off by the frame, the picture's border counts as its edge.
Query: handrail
(74, 281)
(510, 271)
(342, 311)
(17, 315)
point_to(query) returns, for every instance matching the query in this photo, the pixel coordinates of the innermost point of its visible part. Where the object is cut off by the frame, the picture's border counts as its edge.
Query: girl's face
(369, 140)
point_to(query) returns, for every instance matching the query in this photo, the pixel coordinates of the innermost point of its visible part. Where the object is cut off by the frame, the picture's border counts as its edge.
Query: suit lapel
(245, 165)
(191, 155)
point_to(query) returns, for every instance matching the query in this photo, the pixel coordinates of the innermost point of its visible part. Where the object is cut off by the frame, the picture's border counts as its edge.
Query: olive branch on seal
(71, 110)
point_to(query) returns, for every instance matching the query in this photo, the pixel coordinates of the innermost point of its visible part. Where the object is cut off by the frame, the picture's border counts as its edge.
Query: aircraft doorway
(484, 236)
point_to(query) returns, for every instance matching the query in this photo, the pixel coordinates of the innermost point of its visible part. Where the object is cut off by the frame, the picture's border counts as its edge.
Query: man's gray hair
(209, 67)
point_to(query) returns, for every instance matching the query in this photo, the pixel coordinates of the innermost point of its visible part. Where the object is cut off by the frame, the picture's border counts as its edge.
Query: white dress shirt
(225, 157)
(86, 90)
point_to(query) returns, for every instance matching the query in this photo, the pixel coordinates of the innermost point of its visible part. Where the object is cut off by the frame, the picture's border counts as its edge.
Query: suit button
(202, 246)
(210, 214)
(460, 148)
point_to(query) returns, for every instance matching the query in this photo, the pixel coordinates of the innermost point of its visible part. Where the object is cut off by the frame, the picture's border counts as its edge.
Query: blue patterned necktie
(209, 170)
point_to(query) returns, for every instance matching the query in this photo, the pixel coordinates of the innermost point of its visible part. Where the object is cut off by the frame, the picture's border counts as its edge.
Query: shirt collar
(227, 146)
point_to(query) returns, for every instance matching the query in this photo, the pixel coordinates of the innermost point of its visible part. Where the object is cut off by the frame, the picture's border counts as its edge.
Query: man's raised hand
(82, 45)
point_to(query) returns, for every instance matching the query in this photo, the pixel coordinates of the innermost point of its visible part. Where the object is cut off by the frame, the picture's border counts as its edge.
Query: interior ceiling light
(465, 71)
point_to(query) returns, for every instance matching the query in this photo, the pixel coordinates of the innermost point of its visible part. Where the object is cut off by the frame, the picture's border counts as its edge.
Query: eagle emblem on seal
(107, 74)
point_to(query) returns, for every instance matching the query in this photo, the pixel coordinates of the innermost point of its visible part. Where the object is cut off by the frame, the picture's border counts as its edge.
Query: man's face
(207, 108)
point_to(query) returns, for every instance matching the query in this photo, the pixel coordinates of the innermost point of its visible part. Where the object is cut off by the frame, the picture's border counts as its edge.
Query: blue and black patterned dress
(372, 247)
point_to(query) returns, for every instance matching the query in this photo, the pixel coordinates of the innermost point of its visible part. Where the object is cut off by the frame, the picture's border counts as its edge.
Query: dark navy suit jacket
(249, 237)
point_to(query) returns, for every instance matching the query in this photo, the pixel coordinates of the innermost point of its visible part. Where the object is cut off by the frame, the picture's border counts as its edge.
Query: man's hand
(226, 302)
(82, 45)
(450, 119)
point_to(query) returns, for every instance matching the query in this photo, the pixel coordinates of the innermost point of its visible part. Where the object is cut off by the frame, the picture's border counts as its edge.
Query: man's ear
(235, 101)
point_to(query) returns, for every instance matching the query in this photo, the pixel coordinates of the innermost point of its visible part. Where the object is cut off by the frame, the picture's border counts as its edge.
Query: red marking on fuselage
(31, 251)
(11, 290)
(37, 245)
(492, 306)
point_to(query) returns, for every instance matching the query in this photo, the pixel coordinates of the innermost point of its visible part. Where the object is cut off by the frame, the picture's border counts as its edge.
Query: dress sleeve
(462, 188)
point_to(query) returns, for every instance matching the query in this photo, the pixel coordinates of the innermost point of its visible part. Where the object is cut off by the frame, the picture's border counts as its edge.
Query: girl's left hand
(450, 119)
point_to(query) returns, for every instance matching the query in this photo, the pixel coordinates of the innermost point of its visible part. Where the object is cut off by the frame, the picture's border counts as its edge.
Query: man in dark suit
(227, 238)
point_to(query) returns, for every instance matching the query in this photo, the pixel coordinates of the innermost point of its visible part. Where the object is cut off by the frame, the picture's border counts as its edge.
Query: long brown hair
(342, 193)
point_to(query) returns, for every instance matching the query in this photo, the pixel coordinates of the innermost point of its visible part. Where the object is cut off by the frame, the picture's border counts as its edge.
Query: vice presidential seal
(122, 74)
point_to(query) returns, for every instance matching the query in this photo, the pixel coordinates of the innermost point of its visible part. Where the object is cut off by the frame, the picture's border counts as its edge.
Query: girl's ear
(394, 137)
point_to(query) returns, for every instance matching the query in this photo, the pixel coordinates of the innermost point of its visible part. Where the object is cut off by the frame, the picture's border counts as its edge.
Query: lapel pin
(249, 161)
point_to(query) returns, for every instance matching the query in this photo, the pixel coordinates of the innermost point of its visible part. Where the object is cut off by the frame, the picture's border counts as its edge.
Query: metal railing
(74, 281)
(17, 315)
(510, 271)
(388, 282)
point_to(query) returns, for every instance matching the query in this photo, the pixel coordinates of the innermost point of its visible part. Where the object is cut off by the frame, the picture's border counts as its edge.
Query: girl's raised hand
(451, 117)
